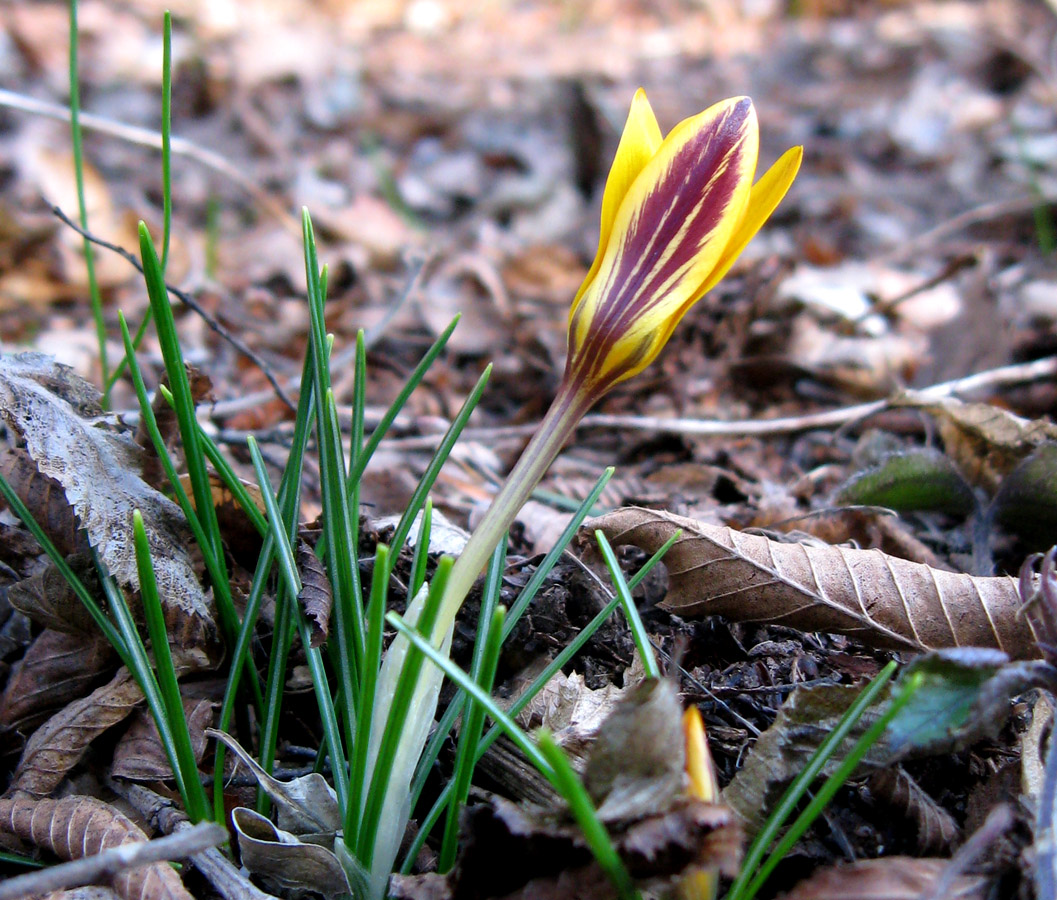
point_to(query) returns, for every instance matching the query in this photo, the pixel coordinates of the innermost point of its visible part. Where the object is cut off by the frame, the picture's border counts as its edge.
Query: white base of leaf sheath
(397, 806)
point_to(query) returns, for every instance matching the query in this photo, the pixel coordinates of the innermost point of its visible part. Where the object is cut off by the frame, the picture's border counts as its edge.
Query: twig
(103, 867)
(216, 868)
(191, 304)
(1021, 373)
(978, 214)
(147, 138)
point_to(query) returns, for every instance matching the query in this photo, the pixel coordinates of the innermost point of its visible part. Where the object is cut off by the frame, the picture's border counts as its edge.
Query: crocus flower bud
(676, 213)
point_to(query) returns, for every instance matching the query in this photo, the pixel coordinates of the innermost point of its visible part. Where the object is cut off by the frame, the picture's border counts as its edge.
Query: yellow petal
(638, 144)
(766, 194)
(699, 767)
(668, 235)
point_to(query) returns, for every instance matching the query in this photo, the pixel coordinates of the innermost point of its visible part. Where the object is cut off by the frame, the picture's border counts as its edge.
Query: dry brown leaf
(45, 499)
(99, 470)
(75, 827)
(56, 669)
(48, 600)
(937, 832)
(140, 756)
(286, 864)
(985, 441)
(890, 878)
(59, 743)
(316, 597)
(878, 599)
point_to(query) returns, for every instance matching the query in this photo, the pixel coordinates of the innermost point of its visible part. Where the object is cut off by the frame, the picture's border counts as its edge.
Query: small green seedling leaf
(918, 480)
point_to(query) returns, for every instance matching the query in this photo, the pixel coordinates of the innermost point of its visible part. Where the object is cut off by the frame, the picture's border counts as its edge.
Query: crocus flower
(676, 212)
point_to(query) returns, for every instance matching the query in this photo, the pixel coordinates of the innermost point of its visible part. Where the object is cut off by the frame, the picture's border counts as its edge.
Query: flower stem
(557, 426)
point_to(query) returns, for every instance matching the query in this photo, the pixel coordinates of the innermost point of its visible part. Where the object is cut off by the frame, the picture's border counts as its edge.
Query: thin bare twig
(103, 867)
(147, 138)
(191, 304)
(216, 868)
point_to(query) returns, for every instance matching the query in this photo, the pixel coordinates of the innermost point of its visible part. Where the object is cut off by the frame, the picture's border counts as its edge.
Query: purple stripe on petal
(678, 215)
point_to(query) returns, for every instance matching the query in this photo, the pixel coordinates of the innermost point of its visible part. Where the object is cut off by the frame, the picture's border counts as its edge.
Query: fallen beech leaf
(890, 878)
(56, 669)
(58, 745)
(140, 756)
(571, 710)
(98, 469)
(75, 827)
(878, 599)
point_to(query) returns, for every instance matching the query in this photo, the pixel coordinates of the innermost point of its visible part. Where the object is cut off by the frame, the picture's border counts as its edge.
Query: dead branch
(103, 867)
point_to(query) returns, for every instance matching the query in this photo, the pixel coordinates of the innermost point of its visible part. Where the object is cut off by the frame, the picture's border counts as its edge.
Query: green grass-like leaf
(482, 670)
(638, 631)
(181, 753)
(572, 789)
(77, 146)
(317, 670)
(753, 875)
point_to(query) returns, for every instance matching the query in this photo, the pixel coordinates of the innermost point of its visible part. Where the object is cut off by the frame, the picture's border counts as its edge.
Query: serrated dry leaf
(140, 756)
(56, 669)
(890, 878)
(98, 469)
(878, 599)
(75, 827)
(57, 746)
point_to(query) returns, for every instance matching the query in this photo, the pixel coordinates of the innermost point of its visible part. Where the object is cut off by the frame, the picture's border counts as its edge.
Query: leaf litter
(911, 251)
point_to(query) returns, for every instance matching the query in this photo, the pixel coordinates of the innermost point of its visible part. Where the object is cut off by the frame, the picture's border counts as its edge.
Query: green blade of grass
(413, 381)
(742, 888)
(528, 593)
(421, 555)
(190, 513)
(391, 746)
(425, 484)
(166, 183)
(556, 770)
(182, 754)
(526, 596)
(183, 404)
(82, 207)
(367, 699)
(140, 667)
(583, 810)
(317, 671)
(638, 631)
(289, 498)
(559, 662)
(482, 670)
